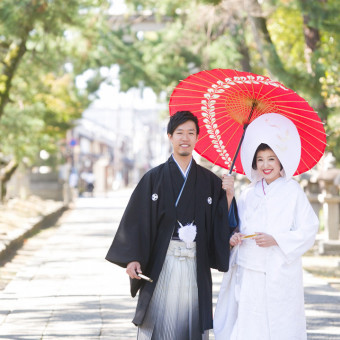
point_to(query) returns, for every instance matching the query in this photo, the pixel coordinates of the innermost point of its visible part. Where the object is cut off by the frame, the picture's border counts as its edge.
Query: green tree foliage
(44, 45)
(293, 41)
(161, 42)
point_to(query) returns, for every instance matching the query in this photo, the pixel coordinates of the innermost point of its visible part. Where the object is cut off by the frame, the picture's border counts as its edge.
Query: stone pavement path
(60, 287)
(63, 287)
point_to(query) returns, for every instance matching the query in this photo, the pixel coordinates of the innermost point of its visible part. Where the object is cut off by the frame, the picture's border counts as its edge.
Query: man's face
(184, 139)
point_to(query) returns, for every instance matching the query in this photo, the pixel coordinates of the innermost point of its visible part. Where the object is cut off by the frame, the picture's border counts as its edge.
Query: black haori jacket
(147, 225)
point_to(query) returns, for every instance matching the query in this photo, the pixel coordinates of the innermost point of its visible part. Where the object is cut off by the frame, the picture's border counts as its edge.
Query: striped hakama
(173, 312)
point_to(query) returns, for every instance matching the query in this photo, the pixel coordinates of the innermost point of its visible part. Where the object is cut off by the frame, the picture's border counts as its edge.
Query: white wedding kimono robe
(261, 297)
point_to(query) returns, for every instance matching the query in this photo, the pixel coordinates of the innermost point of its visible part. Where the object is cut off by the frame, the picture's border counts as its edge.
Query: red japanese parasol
(225, 101)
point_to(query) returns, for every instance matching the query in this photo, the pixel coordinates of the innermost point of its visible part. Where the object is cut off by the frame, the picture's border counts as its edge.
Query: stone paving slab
(22, 218)
(62, 288)
(322, 304)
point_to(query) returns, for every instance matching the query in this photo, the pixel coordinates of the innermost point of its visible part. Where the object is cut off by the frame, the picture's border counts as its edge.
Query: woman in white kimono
(262, 297)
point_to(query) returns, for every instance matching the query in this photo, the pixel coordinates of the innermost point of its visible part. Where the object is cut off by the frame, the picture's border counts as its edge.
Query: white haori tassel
(187, 233)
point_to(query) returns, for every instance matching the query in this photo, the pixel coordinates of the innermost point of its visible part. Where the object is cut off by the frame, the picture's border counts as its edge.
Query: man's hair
(179, 118)
(262, 147)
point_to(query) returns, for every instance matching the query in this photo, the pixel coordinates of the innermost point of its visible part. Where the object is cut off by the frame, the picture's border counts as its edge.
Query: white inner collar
(184, 173)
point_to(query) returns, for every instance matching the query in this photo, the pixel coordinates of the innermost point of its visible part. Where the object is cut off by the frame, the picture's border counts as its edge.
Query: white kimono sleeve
(295, 242)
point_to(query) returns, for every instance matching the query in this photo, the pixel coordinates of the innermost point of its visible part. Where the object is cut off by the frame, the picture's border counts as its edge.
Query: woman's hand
(236, 239)
(264, 240)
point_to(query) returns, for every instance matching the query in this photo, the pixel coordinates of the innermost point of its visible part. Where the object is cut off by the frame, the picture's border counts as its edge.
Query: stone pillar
(331, 215)
(330, 200)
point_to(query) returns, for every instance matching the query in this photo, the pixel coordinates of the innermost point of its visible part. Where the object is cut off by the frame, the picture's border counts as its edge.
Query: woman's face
(268, 165)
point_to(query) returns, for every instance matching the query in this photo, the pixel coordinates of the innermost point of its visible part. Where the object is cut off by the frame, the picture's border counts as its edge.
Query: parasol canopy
(226, 101)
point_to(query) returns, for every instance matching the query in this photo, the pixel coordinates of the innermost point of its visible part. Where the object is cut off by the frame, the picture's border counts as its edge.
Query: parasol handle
(238, 149)
(241, 140)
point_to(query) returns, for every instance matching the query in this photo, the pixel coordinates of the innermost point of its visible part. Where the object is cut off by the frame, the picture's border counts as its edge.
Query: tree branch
(11, 63)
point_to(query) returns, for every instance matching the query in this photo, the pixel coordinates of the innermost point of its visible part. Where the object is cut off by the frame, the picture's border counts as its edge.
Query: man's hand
(228, 186)
(132, 269)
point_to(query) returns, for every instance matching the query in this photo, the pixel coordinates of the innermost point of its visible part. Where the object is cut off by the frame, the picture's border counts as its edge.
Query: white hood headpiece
(280, 134)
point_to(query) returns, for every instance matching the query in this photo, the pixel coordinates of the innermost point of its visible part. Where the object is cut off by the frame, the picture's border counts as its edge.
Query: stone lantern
(329, 197)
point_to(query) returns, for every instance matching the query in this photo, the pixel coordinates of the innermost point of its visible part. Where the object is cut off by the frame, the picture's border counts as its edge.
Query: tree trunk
(270, 58)
(11, 62)
(16, 51)
(310, 82)
(5, 175)
(312, 39)
(236, 29)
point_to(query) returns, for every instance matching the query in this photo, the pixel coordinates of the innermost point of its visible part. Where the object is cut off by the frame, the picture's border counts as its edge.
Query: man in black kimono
(174, 229)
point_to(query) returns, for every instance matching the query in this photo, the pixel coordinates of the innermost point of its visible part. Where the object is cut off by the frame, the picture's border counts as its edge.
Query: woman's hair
(180, 117)
(261, 147)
